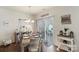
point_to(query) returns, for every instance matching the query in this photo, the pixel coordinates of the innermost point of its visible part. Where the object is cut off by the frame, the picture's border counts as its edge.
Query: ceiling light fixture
(29, 20)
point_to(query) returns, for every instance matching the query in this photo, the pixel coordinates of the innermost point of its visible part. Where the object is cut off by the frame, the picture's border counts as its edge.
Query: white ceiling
(29, 9)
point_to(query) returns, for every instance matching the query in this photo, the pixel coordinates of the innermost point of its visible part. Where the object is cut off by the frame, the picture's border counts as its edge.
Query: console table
(65, 43)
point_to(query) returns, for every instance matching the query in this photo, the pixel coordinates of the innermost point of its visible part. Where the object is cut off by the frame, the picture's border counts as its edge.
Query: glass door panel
(45, 27)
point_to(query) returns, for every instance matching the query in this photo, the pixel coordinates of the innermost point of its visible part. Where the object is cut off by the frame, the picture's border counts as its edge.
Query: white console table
(68, 45)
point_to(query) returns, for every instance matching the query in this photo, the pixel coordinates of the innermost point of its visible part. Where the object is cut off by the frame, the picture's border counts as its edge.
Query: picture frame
(66, 19)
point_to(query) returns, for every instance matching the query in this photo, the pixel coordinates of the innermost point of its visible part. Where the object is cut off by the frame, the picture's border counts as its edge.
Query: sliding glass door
(45, 27)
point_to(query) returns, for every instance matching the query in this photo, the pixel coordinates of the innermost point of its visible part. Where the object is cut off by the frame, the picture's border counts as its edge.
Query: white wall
(11, 17)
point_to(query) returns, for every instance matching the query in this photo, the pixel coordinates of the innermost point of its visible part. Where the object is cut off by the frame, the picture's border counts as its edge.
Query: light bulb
(32, 21)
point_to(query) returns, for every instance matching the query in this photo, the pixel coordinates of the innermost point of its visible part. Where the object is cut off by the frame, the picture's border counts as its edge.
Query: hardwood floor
(10, 48)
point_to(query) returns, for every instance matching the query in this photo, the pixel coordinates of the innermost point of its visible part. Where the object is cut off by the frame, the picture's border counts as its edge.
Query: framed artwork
(66, 19)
